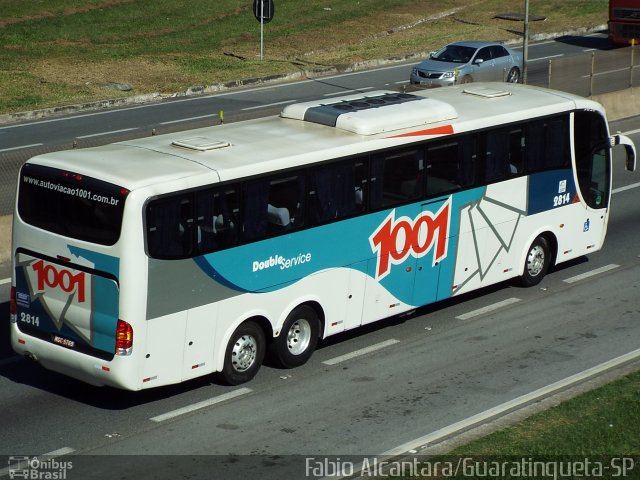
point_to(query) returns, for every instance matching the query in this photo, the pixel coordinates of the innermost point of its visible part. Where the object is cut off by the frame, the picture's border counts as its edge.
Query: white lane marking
(545, 58)
(46, 456)
(632, 132)
(512, 405)
(107, 133)
(626, 187)
(362, 351)
(5, 280)
(188, 119)
(197, 406)
(591, 273)
(345, 92)
(269, 105)
(21, 147)
(488, 308)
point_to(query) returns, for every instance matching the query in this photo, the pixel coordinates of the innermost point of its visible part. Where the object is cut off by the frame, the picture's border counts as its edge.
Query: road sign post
(263, 10)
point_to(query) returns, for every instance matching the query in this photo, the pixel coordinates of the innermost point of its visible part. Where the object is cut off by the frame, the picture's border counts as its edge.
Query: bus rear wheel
(298, 338)
(244, 354)
(537, 262)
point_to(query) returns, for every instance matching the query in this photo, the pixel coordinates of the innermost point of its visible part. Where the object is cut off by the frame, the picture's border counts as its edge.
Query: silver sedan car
(464, 62)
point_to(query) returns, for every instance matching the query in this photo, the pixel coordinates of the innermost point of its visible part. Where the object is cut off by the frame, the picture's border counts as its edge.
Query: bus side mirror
(630, 149)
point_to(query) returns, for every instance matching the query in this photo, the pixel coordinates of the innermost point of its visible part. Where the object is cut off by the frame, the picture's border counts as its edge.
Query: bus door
(430, 245)
(391, 272)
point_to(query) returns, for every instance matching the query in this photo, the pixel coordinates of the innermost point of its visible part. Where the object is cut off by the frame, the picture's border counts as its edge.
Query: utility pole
(525, 47)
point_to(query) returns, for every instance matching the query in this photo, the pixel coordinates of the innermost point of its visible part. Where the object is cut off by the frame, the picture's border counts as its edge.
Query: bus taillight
(124, 338)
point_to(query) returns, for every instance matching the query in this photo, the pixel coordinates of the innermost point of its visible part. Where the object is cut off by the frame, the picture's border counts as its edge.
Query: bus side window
(504, 156)
(285, 205)
(169, 224)
(255, 204)
(547, 144)
(451, 165)
(496, 160)
(334, 192)
(397, 177)
(216, 214)
(272, 205)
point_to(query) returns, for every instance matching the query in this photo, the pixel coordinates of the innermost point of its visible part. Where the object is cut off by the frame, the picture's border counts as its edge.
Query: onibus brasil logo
(398, 238)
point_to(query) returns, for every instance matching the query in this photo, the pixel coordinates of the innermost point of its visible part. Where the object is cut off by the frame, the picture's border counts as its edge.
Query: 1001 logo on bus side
(396, 239)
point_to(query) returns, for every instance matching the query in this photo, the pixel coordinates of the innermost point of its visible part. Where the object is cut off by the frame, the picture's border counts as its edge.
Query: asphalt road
(441, 365)
(401, 379)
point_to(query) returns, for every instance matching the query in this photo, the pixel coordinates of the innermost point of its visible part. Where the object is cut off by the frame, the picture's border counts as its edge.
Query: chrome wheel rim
(244, 353)
(535, 261)
(299, 336)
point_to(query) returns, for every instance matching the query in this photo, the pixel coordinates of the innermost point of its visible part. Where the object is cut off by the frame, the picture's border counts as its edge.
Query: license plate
(65, 342)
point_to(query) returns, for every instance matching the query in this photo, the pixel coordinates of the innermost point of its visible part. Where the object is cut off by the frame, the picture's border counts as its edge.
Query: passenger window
(169, 224)
(547, 144)
(336, 191)
(504, 156)
(397, 177)
(484, 54)
(217, 218)
(272, 206)
(450, 165)
(498, 51)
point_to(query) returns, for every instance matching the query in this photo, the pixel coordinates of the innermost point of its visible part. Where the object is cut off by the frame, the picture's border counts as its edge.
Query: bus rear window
(71, 204)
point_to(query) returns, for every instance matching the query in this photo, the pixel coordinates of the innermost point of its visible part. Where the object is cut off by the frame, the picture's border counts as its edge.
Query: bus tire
(244, 353)
(536, 263)
(298, 338)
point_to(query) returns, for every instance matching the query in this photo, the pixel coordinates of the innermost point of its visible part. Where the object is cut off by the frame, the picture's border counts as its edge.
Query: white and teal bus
(153, 261)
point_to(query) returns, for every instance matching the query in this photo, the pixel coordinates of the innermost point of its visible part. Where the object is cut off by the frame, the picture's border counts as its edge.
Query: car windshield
(455, 54)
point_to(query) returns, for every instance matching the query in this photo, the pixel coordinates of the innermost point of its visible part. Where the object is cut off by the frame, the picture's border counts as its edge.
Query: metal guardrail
(593, 73)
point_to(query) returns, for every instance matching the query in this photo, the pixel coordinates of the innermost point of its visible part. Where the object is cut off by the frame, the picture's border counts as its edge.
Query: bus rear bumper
(87, 369)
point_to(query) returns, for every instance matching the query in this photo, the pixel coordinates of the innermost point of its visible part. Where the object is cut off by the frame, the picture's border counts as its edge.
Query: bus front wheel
(244, 354)
(537, 262)
(298, 338)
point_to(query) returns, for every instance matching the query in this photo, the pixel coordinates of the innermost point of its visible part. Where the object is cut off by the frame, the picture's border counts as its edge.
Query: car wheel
(466, 79)
(514, 75)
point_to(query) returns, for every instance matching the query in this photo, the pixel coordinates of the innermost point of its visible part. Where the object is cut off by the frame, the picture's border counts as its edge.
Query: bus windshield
(71, 204)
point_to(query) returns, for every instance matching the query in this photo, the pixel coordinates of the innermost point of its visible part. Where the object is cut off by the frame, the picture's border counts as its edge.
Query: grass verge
(57, 52)
(595, 433)
(604, 421)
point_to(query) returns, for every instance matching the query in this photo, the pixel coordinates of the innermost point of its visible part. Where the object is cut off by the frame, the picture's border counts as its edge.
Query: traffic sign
(263, 10)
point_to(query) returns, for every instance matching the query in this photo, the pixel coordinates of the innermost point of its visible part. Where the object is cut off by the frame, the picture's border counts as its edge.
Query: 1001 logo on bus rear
(48, 275)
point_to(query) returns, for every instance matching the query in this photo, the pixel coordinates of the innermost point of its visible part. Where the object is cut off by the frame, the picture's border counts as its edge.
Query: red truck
(624, 21)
